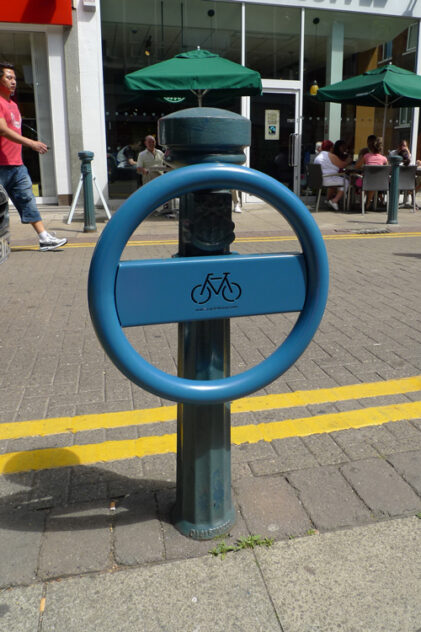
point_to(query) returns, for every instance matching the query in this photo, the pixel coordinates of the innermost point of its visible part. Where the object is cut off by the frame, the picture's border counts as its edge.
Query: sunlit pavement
(326, 460)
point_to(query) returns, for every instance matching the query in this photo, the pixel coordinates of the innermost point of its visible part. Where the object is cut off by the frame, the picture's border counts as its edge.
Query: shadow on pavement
(76, 497)
(415, 255)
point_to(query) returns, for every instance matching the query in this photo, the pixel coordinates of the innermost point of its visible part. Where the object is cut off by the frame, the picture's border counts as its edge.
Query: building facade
(72, 58)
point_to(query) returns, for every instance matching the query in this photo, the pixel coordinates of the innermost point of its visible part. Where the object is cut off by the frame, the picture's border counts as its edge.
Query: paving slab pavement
(104, 527)
(366, 578)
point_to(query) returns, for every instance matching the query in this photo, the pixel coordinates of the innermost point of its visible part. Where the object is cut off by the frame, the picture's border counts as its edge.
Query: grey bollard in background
(86, 158)
(4, 225)
(392, 215)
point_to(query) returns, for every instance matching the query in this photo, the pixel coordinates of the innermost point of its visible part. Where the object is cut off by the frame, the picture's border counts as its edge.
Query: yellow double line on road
(239, 240)
(250, 433)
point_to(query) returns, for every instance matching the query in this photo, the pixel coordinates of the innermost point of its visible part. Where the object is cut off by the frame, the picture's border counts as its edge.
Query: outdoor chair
(407, 181)
(315, 182)
(375, 178)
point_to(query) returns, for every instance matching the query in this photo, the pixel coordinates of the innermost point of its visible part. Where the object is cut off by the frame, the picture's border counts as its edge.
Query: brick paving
(58, 523)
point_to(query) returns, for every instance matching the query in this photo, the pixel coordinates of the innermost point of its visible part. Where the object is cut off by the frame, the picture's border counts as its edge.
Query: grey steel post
(392, 215)
(88, 192)
(4, 225)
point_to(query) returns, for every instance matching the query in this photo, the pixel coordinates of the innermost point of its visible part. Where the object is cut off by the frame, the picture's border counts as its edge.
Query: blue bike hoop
(106, 259)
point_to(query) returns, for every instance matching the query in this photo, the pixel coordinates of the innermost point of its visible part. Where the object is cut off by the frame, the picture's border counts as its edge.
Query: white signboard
(396, 8)
(271, 124)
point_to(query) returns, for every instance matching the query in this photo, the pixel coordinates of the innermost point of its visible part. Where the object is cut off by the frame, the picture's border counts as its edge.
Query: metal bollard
(204, 506)
(392, 215)
(202, 289)
(88, 193)
(4, 226)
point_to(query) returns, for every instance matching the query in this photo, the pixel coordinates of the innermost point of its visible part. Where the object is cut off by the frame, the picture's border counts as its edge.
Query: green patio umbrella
(387, 86)
(197, 71)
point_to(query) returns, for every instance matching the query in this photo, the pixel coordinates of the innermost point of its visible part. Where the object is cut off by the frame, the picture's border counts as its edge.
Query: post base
(204, 531)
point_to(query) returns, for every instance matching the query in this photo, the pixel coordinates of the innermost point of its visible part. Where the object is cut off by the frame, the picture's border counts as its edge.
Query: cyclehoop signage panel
(202, 288)
(395, 8)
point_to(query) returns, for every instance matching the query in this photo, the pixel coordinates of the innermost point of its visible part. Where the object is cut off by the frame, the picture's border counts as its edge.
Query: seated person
(417, 183)
(332, 159)
(403, 151)
(126, 157)
(150, 161)
(370, 142)
(317, 150)
(341, 150)
(373, 157)
(359, 181)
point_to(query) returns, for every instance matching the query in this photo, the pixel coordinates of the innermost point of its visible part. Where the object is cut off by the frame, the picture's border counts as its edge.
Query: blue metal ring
(111, 244)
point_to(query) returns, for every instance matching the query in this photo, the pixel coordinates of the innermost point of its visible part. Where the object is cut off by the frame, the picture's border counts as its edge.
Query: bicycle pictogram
(229, 291)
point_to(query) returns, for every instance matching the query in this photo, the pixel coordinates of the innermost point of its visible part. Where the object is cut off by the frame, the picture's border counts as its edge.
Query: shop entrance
(275, 146)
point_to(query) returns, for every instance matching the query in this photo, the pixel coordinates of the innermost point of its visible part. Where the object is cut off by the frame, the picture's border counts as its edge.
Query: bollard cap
(395, 159)
(204, 127)
(204, 135)
(86, 155)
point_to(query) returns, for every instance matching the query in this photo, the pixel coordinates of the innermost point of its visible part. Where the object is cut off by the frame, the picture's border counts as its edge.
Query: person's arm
(360, 162)
(15, 137)
(335, 160)
(129, 154)
(140, 168)
(406, 157)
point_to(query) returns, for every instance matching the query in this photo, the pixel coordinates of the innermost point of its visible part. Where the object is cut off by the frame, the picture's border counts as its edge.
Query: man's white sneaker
(51, 243)
(237, 208)
(334, 205)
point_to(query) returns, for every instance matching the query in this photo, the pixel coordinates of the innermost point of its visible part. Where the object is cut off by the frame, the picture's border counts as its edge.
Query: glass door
(275, 146)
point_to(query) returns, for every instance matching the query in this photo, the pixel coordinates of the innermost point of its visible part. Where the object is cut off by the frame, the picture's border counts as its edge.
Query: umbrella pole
(384, 118)
(199, 94)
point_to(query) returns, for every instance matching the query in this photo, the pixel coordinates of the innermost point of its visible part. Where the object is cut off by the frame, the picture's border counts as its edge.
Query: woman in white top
(332, 158)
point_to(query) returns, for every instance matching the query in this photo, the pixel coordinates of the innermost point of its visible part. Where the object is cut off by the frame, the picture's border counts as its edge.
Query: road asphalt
(326, 461)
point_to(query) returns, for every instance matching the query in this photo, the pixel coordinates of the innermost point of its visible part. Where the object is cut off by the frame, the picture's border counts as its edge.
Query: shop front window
(404, 117)
(28, 53)
(385, 52)
(412, 38)
(137, 34)
(273, 41)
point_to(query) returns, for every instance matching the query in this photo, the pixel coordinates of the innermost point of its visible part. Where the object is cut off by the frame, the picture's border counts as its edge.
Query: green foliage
(246, 542)
(251, 541)
(222, 549)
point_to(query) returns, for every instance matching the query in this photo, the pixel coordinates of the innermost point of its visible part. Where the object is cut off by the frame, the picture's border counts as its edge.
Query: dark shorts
(18, 185)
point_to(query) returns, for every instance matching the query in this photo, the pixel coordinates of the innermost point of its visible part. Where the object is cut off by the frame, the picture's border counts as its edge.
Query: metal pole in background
(392, 215)
(88, 192)
(4, 225)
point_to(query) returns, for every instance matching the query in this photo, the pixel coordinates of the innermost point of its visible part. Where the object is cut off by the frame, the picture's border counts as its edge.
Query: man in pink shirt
(14, 175)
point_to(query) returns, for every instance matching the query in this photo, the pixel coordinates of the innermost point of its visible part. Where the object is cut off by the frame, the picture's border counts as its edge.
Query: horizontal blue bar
(201, 288)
